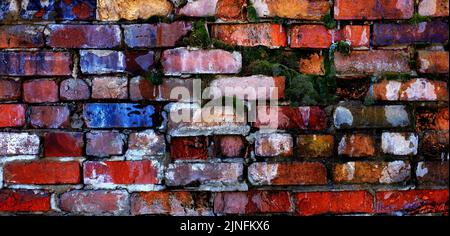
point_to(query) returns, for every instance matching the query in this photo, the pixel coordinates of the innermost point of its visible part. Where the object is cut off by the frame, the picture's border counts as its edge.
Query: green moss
(328, 21)
(155, 77)
(396, 76)
(343, 47)
(300, 89)
(252, 15)
(417, 18)
(199, 36)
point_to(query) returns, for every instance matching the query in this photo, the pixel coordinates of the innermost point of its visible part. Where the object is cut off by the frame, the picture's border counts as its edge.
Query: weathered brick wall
(360, 125)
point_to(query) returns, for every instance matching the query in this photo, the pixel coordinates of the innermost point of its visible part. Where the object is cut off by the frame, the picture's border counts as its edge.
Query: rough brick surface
(42, 172)
(342, 202)
(224, 107)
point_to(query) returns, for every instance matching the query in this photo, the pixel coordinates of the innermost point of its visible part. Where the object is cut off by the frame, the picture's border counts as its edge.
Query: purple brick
(424, 32)
(139, 61)
(83, 36)
(38, 9)
(77, 9)
(35, 63)
(74, 89)
(104, 143)
(161, 35)
(118, 115)
(102, 61)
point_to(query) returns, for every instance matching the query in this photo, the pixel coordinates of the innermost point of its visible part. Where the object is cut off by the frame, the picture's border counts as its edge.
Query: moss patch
(417, 18)
(329, 21)
(155, 77)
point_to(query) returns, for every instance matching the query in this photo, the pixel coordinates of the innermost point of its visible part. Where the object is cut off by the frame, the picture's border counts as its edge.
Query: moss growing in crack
(341, 46)
(417, 18)
(199, 36)
(301, 89)
(396, 76)
(329, 21)
(155, 77)
(252, 15)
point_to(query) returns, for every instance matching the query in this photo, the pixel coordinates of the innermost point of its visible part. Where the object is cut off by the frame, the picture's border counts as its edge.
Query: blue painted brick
(118, 115)
(38, 9)
(8, 9)
(77, 9)
(102, 61)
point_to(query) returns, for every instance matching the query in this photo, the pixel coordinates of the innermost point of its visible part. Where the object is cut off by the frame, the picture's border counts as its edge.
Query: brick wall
(359, 125)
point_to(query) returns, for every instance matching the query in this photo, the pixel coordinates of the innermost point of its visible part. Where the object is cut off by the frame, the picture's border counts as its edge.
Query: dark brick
(424, 32)
(63, 144)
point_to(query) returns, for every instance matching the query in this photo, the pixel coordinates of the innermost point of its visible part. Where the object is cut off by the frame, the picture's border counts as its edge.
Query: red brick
(198, 174)
(373, 9)
(256, 87)
(345, 202)
(42, 172)
(252, 202)
(292, 9)
(372, 172)
(9, 90)
(104, 143)
(230, 146)
(19, 144)
(434, 8)
(318, 36)
(189, 148)
(171, 203)
(110, 87)
(63, 144)
(357, 145)
(24, 201)
(412, 202)
(36, 63)
(432, 173)
(300, 173)
(95, 202)
(313, 145)
(312, 65)
(50, 117)
(21, 36)
(432, 62)
(360, 63)
(418, 89)
(40, 91)
(74, 89)
(120, 172)
(285, 117)
(442, 119)
(251, 35)
(230, 9)
(274, 144)
(83, 36)
(143, 89)
(400, 34)
(183, 61)
(12, 115)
